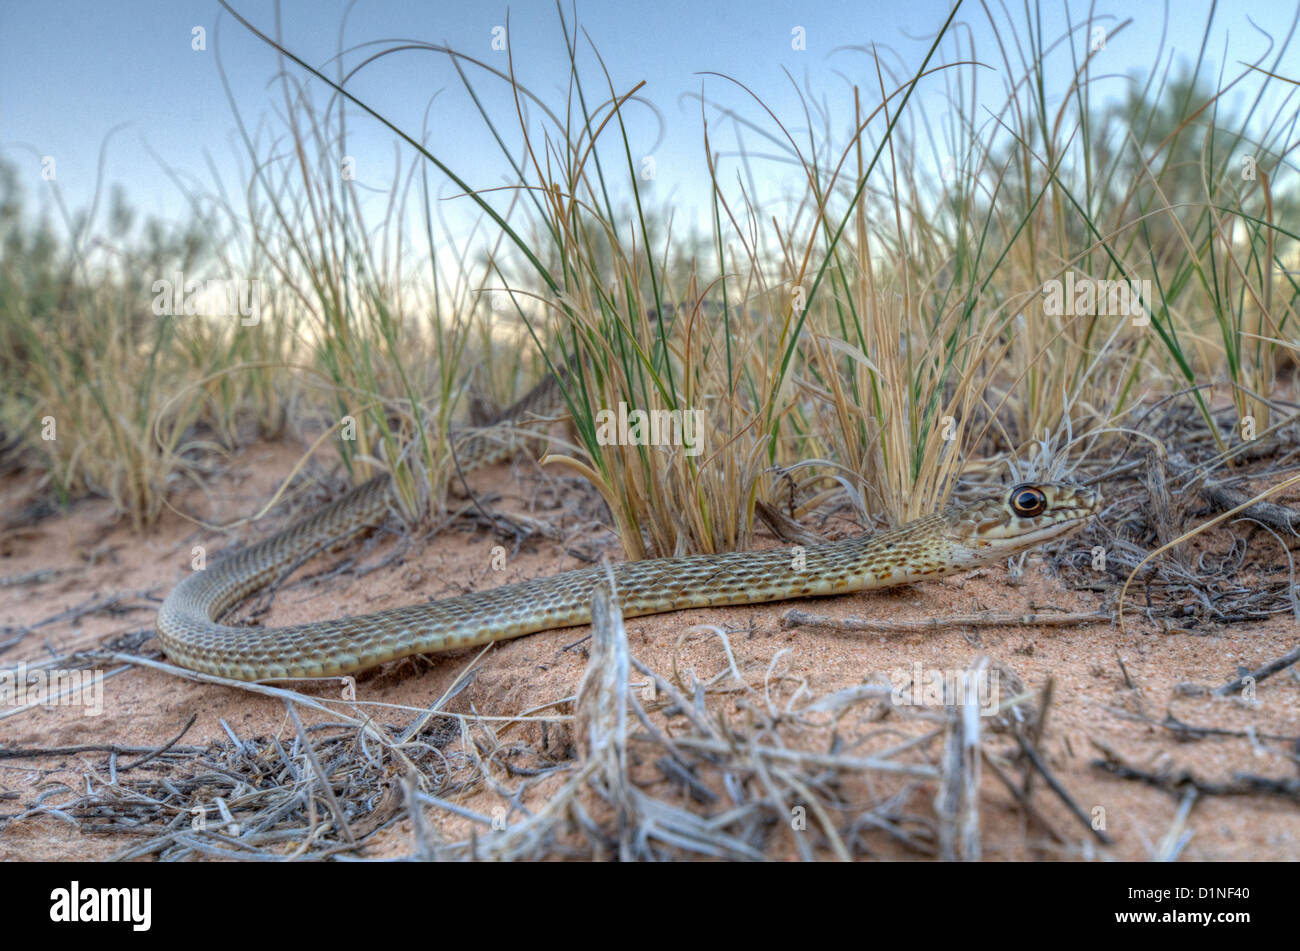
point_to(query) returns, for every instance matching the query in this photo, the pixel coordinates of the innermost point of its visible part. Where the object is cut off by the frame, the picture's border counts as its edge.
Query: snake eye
(1028, 501)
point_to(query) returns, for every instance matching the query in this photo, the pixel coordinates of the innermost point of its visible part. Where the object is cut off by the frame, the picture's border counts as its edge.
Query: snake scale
(955, 540)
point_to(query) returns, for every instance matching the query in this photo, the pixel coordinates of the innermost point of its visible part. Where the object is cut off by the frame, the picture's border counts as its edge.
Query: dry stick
(41, 576)
(463, 680)
(1272, 667)
(48, 664)
(320, 773)
(828, 760)
(1218, 519)
(1160, 511)
(1047, 774)
(960, 796)
(250, 686)
(363, 723)
(1119, 659)
(678, 701)
(1243, 784)
(1221, 497)
(1021, 798)
(424, 840)
(1190, 731)
(23, 752)
(1177, 836)
(796, 618)
(1039, 724)
(494, 520)
(1269, 514)
(162, 749)
(969, 713)
(89, 606)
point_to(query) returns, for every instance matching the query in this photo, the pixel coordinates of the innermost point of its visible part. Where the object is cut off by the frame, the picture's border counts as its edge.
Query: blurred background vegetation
(893, 344)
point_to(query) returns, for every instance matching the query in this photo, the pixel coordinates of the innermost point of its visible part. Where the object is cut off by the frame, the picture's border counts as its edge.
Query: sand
(85, 553)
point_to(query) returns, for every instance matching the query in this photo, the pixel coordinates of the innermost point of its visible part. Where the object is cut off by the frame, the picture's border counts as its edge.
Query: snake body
(955, 540)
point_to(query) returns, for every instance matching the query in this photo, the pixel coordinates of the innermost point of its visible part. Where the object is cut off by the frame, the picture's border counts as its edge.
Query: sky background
(81, 78)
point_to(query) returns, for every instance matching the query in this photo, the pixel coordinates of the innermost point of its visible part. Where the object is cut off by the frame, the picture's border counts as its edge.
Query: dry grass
(886, 338)
(787, 774)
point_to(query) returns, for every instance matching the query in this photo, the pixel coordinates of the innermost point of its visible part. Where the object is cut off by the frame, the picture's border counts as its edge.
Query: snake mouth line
(1066, 523)
(1056, 530)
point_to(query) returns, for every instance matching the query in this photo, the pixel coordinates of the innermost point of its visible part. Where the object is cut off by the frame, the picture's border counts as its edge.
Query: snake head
(1024, 516)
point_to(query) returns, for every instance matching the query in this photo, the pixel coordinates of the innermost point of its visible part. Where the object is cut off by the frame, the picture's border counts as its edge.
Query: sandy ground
(85, 554)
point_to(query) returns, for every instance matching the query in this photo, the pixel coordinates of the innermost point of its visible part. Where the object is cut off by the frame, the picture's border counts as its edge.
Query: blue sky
(71, 72)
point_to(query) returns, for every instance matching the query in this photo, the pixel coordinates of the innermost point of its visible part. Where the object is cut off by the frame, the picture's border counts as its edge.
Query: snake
(959, 538)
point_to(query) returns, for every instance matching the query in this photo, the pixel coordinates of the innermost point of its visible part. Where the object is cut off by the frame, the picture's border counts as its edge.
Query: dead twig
(1255, 676)
(1036, 760)
(1177, 783)
(797, 618)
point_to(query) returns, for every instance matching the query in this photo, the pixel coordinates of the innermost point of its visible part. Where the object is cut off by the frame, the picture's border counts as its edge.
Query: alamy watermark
(1085, 297)
(77, 904)
(923, 686)
(656, 427)
(214, 298)
(53, 688)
